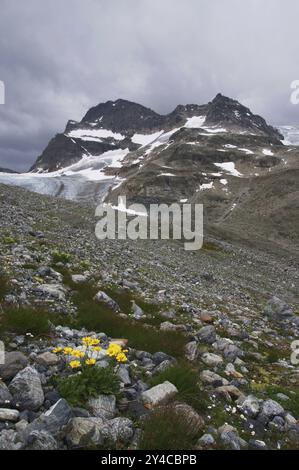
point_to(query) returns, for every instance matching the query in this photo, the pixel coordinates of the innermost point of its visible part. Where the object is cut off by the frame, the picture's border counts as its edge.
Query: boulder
(9, 415)
(83, 432)
(207, 334)
(159, 394)
(271, 408)
(14, 362)
(47, 359)
(117, 430)
(41, 440)
(26, 389)
(103, 297)
(278, 309)
(56, 291)
(79, 278)
(211, 359)
(212, 378)
(11, 440)
(53, 420)
(250, 406)
(104, 406)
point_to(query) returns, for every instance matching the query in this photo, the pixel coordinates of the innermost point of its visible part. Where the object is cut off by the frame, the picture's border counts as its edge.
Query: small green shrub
(3, 287)
(167, 429)
(186, 379)
(91, 382)
(61, 257)
(8, 240)
(25, 320)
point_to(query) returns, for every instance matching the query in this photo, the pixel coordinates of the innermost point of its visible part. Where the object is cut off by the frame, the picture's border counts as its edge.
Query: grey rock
(47, 359)
(207, 440)
(207, 334)
(191, 351)
(159, 357)
(52, 290)
(211, 359)
(78, 278)
(53, 420)
(11, 440)
(250, 406)
(163, 366)
(212, 378)
(5, 395)
(103, 297)
(104, 406)
(278, 309)
(256, 444)
(83, 432)
(14, 362)
(159, 394)
(9, 415)
(137, 311)
(41, 440)
(271, 408)
(118, 430)
(27, 390)
(168, 326)
(123, 373)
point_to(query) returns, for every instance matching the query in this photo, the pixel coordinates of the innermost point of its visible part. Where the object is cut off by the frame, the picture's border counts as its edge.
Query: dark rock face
(231, 114)
(122, 115)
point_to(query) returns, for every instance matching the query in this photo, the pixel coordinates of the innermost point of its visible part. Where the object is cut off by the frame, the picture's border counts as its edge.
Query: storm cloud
(59, 58)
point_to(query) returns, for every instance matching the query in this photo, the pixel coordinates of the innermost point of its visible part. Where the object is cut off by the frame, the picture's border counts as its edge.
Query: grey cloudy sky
(59, 58)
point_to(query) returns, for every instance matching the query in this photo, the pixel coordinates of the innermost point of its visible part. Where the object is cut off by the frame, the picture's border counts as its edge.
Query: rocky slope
(226, 314)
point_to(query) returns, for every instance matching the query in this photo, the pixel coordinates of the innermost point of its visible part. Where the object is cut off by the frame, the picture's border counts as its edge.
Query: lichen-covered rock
(27, 390)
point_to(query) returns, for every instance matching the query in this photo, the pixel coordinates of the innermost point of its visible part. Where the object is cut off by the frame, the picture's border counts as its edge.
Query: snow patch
(195, 122)
(83, 134)
(229, 167)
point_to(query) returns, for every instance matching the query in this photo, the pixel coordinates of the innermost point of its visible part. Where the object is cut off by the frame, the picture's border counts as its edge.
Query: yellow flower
(75, 364)
(97, 348)
(77, 353)
(57, 350)
(121, 357)
(88, 341)
(90, 362)
(113, 349)
(67, 351)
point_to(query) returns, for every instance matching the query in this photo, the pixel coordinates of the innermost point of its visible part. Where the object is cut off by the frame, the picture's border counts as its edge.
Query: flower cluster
(80, 358)
(115, 350)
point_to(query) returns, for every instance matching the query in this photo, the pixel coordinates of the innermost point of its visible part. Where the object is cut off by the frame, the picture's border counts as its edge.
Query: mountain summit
(112, 125)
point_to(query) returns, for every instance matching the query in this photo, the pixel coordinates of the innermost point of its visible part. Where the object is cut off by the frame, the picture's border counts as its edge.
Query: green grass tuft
(167, 429)
(25, 320)
(91, 382)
